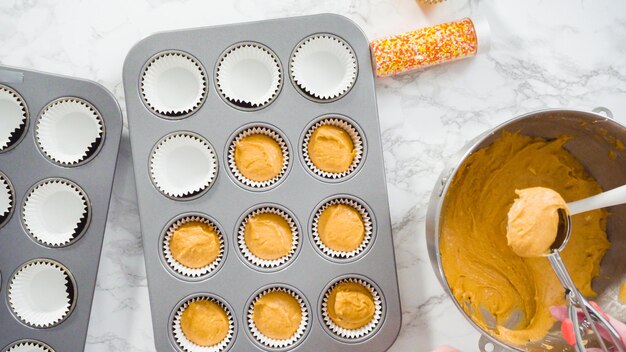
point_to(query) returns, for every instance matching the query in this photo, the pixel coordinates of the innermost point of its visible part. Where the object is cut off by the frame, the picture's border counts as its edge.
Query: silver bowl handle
(603, 111)
(486, 345)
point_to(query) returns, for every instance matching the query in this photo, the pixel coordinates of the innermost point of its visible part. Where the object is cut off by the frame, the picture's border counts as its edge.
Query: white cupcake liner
(310, 73)
(29, 346)
(273, 343)
(176, 172)
(38, 293)
(356, 141)
(174, 84)
(180, 268)
(249, 75)
(69, 131)
(14, 117)
(353, 333)
(54, 211)
(264, 263)
(252, 131)
(367, 222)
(185, 344)
(7, 198)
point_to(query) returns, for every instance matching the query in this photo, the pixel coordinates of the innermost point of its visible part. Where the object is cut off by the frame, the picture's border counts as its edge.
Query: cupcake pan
(299, 191)
(25, 165)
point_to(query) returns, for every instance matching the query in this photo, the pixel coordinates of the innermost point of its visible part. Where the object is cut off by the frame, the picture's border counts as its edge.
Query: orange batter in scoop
(504, 293)
(351, 305)
(331, 149)
(277, 315)
(268, 236)
(533, 221)
(258, 157)
(195, 244)
(204, 323)
(340, 228)
(622, 294)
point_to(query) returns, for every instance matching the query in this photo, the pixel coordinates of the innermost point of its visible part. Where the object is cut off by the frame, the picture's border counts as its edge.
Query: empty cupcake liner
(7, 199)
(41, 293)
(324, 67)
(273, 343)
(29, 346)
(264, 263)
(252, 131)
(14, 117)
(185, 344)
(183, 165)
(353, 333)
(174, 84)
(69, 131)
(56, 212)
(249, 75)
(180, 268)
(367, 222)
(356, 141)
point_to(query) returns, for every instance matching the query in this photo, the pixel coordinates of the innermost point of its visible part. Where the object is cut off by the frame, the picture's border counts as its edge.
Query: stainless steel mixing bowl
(595, 136)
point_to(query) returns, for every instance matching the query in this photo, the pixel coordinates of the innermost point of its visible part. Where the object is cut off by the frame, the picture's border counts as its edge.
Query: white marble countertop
(557, 53)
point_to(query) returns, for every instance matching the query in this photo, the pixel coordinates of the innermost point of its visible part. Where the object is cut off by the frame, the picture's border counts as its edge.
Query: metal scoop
(593, 316)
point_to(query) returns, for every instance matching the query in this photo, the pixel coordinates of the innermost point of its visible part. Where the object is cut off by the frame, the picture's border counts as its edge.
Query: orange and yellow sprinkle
(424, 47)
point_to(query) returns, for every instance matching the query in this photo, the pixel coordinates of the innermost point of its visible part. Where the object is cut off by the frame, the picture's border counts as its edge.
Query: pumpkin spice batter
(195, 244)
(504, 293)
(268, 236)
(277, 315)
(258, 157)
(341, 228)
(533, 221)
(204, 323)
(331, 149)
(351, 305)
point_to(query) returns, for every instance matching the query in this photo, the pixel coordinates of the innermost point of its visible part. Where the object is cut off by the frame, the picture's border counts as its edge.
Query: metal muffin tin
(25, 165)
(290, 112)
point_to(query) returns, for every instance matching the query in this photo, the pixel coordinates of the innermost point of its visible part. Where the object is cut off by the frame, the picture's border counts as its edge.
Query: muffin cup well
(273, 343)
(249, 76)
(353, 334)
(357, 142)
(56, 212)
(173, 84)
(15, 116)
(323, 67)
(264, 131)
(179, 268)
(42, 293)
(7, 199)
(28, 346)
(367, 223)
(263, 263)
(185, 344)
(183, 165)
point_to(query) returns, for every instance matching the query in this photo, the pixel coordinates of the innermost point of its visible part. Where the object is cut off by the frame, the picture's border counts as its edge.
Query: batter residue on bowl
(504, 293)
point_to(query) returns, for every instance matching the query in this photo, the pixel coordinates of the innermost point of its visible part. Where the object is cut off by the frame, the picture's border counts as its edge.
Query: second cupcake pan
(51, 237)
(263, 53)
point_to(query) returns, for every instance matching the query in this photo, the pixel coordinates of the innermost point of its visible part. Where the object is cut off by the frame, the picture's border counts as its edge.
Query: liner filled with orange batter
(503, 293)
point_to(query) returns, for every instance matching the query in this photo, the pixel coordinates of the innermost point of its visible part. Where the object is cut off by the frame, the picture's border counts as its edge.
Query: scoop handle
(605, 199)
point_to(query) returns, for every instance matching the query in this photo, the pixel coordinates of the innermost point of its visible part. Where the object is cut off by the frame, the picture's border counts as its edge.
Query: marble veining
(558, 53)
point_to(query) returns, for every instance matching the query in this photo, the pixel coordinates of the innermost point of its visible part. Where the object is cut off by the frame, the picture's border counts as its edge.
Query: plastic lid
(483, 33)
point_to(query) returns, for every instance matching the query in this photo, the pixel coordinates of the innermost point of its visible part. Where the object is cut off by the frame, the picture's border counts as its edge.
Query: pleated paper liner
(249, 76)
(264, 263)
(323, 67)
(28, 346)
(183, 165)
(15, 117)
(70, 131)
(184, 344)
(357, 142)
(56, 212)
(268, 342)
(367, 223)
(7, 199)
(174, 84)
(181, 269)
(267, 131)
(42, 293)
(360, 333)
